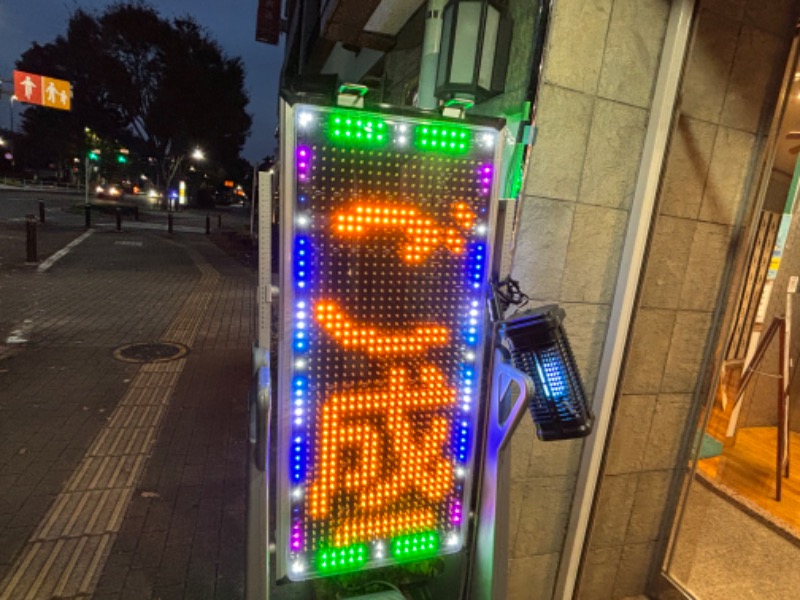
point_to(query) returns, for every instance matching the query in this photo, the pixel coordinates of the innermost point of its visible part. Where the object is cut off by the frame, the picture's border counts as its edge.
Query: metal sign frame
(431, 231)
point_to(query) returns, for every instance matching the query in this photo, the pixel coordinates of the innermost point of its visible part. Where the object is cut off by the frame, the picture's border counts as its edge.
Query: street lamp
(11, 110)
(198, 154)
(476, 40)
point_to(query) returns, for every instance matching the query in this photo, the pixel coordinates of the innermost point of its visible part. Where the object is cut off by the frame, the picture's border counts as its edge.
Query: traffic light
(94, 155)
(122, 159)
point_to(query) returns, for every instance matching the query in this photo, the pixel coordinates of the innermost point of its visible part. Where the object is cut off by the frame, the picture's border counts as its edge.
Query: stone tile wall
(599, 72)
(727, 93)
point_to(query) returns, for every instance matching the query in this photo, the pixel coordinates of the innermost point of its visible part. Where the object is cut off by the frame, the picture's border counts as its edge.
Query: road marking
(19, 335)
(78, 531)
(63, 252)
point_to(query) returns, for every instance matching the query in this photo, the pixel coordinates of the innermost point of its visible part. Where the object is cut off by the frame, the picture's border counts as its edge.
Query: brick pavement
(168, 520)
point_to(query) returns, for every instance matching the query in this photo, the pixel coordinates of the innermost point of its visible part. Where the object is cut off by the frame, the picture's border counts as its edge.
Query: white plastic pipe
(431, 45)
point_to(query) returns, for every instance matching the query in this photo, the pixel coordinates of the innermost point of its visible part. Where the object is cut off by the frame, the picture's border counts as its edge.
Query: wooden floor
(748, 467)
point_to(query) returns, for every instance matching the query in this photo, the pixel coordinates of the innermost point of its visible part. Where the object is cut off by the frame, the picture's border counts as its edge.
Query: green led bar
(444, 139)
(415, 546)
(339, 560)
(344, 128)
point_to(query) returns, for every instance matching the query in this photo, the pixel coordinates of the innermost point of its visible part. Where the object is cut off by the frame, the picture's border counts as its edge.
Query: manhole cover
(151, 352)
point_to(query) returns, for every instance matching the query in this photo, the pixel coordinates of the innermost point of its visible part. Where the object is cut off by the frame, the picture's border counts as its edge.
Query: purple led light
(485, 179)
(303, 163)
(455, 512)
(297, 536)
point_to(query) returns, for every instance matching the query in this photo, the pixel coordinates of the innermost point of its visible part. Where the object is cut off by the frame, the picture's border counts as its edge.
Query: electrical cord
(507, 293)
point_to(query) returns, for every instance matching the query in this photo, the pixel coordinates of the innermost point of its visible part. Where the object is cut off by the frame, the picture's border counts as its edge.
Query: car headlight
(112, 191)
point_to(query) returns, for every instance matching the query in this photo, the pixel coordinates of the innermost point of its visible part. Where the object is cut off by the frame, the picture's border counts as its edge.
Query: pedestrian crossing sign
(43, 91)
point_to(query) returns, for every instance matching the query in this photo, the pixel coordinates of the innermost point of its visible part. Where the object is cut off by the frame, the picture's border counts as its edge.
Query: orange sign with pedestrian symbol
(41, 90)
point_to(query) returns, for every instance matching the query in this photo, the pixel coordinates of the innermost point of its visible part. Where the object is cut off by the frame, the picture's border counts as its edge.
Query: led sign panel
(387, 220)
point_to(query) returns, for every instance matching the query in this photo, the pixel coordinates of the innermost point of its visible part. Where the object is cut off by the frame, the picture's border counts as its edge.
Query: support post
(87, 214)
(30, 239)
(487, 569)
(431, 43)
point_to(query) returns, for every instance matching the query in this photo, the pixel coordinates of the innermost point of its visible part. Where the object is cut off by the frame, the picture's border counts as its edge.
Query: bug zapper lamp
(540, 348)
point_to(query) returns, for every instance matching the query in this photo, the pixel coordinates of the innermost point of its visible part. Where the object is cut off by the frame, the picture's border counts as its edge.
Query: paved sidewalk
(122, 479)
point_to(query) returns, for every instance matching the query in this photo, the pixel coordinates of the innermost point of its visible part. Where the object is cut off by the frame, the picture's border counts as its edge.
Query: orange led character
(381, 457)
(415, 341)
(423, 235)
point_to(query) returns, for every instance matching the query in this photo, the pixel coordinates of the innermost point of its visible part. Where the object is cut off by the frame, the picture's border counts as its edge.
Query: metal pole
(30, 239)
(253, 201)
(86, 187)
(257, 575)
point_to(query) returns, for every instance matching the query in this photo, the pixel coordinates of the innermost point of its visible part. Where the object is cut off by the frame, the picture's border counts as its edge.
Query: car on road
(109, 191)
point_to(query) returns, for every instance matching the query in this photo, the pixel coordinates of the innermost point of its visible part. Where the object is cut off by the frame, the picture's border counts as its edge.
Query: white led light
(297, 493)
(298, 422)
(472, 313)
(300, 363)
(301, 304)
(453, 540)
(487, 139)
(298, 566)
(298, 412)
(460, 472)
(474, 303)
(469, 355)
(302, 220)
(481, 229)
(301, 314)
(305, 118)
(402, 128)
(402, 140)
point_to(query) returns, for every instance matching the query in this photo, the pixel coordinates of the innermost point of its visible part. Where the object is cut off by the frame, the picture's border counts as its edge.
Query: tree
(158, 87)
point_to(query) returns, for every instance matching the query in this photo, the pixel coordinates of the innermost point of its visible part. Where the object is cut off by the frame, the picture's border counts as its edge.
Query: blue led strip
(471, 332)
(300, 343)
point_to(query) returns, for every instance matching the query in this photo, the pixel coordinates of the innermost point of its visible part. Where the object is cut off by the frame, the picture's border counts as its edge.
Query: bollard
(208, 224)
(119, 218)
(30, 237)
(87, 211)
(219, 221)
(41, 212)
(169, 222)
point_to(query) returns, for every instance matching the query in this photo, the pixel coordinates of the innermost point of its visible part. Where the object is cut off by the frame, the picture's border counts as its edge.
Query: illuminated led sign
(386, 221)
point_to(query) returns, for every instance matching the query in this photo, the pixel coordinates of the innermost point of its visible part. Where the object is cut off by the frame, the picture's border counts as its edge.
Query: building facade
(637, 214)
